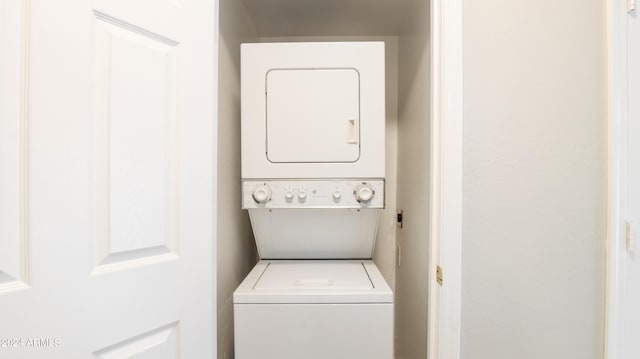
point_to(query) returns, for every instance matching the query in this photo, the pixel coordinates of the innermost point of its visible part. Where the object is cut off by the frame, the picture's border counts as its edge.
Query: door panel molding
(135, 147)
(14, 115)
(163, 342)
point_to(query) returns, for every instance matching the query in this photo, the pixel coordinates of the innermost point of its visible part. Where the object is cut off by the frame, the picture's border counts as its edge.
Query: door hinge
(631, 6)
(399, 218)
(630, 237)
(439, 275)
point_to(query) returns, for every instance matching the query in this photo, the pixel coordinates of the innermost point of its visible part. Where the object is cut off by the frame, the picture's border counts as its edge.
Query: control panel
(313, 194)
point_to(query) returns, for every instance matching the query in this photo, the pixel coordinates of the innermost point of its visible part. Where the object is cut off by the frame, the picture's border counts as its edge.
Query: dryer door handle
(352, 131)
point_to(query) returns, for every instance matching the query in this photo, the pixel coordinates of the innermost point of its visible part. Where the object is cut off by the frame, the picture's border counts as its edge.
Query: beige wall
(534, 179)
(413, 183)
(236, 248)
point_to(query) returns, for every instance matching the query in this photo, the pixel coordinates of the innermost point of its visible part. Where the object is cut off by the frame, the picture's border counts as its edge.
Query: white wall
(236, 247)
(413, 182)
(534, 179)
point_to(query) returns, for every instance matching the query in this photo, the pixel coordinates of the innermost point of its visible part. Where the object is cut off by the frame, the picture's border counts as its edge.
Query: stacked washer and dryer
(313, 168)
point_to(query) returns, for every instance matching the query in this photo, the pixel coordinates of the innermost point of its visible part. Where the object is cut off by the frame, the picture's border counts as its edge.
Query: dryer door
(313, 115)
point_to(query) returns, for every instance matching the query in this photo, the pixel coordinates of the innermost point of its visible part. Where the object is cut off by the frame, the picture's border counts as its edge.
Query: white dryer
(313, 183)
(313, 110)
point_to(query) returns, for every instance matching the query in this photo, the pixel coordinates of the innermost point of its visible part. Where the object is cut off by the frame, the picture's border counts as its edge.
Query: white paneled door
(107, 179)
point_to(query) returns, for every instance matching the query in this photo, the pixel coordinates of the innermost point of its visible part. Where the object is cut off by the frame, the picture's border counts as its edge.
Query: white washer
(314, 309)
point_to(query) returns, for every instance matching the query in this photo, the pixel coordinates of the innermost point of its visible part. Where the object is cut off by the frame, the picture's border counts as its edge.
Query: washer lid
(313, 281)
(314, 276)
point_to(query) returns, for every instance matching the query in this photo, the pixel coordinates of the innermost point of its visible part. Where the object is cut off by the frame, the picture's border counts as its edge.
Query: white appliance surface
(312, 194)
(315, 233)
(314, 276)
(314, 331)
(319, 309)
(313, 110)
(314, 219)
(313, 281)
(312, 115)
(313, 166)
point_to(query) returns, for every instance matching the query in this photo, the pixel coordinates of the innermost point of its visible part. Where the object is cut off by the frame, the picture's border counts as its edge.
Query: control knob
(364, 192)
(288, 195)
(302, 194)
(262, 194)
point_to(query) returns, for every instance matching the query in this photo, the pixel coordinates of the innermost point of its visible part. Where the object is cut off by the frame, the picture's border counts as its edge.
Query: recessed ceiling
(327, 17)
